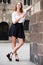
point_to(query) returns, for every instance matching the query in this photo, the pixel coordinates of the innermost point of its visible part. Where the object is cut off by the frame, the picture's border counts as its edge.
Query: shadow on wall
(26, 25)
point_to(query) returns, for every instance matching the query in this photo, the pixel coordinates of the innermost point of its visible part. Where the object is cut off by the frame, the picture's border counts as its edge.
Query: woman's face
(18, 6)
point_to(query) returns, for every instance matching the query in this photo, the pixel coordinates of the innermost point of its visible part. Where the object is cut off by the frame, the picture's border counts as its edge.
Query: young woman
(16, 30)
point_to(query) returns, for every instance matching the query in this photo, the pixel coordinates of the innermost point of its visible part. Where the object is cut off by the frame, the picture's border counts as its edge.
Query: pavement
(23, 52)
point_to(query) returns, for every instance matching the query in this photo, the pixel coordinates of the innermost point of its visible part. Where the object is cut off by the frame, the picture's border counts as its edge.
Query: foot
(8, 56)
(16, 57)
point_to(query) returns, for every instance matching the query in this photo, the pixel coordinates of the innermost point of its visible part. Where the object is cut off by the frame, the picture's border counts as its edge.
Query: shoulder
(13, 13)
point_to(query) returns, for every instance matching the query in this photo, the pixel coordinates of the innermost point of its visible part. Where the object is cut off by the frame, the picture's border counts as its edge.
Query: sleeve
(13, 17)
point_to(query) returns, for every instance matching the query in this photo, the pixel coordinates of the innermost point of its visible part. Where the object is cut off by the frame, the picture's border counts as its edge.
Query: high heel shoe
(16, 57)
(8, 56)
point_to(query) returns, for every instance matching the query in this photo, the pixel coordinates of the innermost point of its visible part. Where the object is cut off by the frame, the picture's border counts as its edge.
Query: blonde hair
(15, 7)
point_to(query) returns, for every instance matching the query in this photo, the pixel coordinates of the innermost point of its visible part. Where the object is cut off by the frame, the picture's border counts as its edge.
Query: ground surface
(23, 52)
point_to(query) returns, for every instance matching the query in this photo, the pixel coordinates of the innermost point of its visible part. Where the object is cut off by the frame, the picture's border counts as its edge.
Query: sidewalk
(23, 52)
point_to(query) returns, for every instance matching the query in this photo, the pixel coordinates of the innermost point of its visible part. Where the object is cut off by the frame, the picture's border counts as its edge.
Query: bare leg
(9, 55)
(13, 44)
(21, 42)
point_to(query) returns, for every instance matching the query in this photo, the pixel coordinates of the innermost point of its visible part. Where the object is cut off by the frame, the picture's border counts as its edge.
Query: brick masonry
(36, 35)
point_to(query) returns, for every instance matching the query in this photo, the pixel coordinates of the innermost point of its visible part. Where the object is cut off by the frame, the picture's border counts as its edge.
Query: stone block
(31, 53)
(34, 28)
(41, 4)
(34, 37)
(40, 49)
(40, 59)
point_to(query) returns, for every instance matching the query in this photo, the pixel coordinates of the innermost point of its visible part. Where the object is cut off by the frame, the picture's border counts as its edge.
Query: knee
(21, 42)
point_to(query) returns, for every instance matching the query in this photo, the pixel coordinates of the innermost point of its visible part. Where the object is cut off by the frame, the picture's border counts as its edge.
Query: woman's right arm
(16, 20)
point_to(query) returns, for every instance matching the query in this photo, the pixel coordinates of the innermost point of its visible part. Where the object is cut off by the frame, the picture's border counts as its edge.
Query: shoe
(16, 57)
(8, 56)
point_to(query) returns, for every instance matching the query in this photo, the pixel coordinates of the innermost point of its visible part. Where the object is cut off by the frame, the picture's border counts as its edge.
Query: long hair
(15, 7)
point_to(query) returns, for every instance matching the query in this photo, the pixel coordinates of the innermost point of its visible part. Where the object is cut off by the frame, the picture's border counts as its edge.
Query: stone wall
(5, 16)
(36, 34)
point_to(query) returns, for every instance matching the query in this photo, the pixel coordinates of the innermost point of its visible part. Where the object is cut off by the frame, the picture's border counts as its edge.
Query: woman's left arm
(28, 8)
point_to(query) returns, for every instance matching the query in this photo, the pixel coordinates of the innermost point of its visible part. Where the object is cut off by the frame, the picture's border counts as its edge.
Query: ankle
(12, 53)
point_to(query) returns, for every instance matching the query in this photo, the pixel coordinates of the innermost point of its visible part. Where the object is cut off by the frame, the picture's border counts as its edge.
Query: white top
(15, 16)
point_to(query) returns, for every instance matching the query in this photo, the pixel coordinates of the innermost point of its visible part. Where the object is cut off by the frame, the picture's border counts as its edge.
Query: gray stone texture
(36, 35)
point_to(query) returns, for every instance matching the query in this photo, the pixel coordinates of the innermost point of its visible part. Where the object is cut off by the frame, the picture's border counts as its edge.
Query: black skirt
(17, 30)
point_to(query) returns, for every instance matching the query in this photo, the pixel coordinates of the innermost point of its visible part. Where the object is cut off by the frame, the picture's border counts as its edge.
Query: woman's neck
(18, 11)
